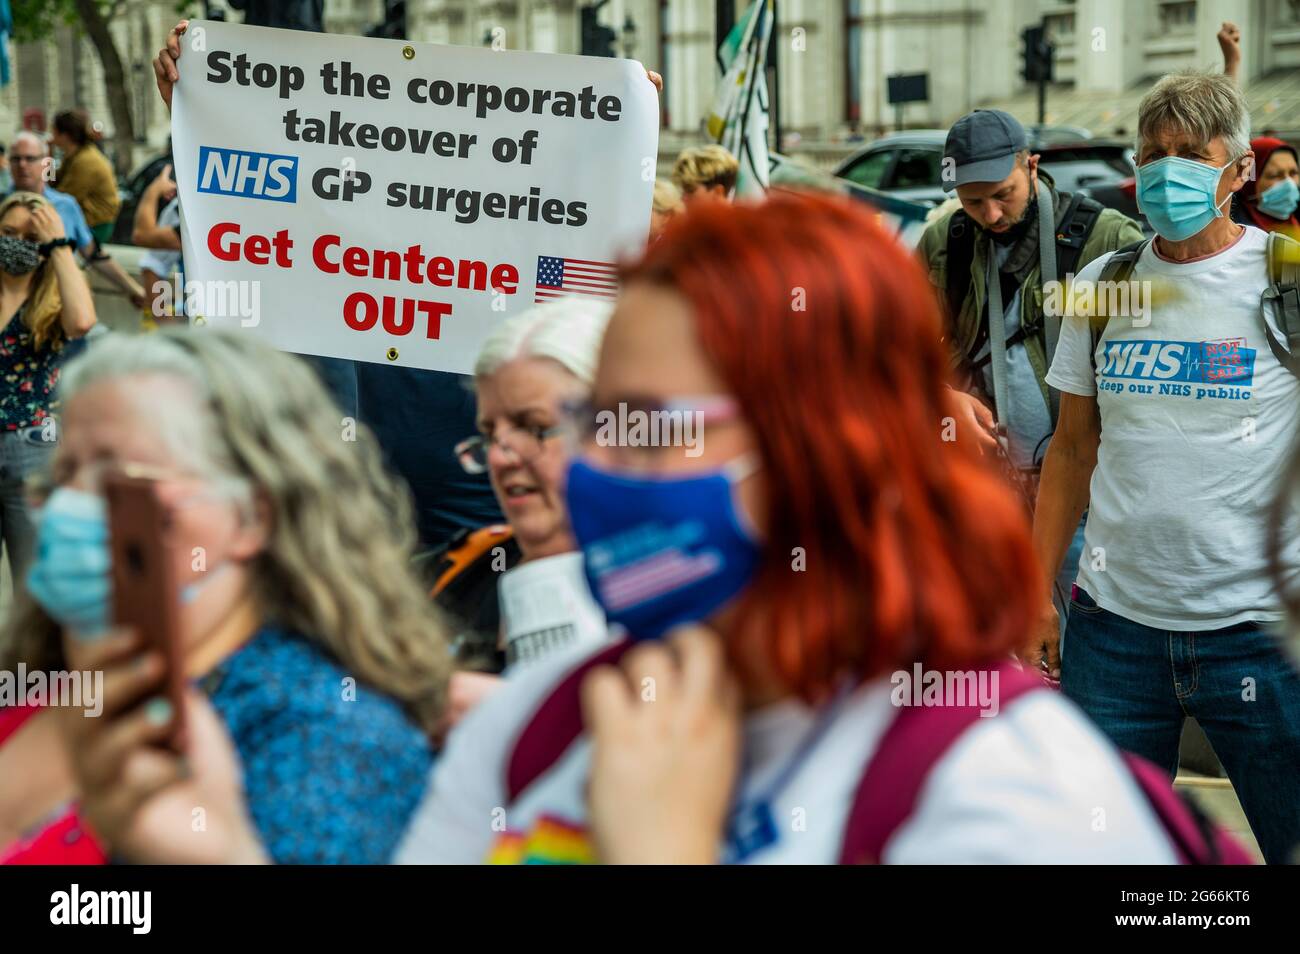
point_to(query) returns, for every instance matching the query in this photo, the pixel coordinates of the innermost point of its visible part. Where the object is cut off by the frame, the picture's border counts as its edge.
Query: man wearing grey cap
(1014, 225)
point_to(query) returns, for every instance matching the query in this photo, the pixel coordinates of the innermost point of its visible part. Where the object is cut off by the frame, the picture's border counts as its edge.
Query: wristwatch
(51, 245)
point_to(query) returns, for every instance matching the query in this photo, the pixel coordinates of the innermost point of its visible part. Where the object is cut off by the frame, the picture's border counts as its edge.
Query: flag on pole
(739, 119)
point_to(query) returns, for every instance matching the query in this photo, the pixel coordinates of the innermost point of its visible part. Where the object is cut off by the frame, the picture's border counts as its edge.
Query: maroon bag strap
(547, 735)
(911, 746)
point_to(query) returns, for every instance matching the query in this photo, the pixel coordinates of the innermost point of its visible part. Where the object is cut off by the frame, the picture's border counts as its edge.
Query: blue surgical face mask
(70, 577)
(1178, 196)
(1279, 200)
(661, 552)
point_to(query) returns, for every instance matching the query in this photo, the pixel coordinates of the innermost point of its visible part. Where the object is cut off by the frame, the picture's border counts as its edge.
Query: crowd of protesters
(526, 642)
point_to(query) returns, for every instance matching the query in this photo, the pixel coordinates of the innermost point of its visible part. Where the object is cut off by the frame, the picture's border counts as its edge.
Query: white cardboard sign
(392, 202)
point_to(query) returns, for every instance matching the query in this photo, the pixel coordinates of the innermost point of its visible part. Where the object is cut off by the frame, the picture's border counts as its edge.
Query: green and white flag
(739, 119)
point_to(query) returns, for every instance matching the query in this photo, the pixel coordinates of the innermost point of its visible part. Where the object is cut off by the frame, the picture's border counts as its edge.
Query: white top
(546, 607)
(1038, 784)
(1197, 420)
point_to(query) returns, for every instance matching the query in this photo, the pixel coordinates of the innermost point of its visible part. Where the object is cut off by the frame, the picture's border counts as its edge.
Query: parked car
(909, 165)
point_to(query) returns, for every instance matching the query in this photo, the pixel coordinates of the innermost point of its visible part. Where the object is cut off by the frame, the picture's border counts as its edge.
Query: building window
(853, 62)
(1177, 16)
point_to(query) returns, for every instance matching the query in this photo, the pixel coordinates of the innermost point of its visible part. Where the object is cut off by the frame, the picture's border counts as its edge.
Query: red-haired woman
(837, 548)
(832, 541)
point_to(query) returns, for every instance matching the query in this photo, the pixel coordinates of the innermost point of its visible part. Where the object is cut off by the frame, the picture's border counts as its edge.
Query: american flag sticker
(560, 277)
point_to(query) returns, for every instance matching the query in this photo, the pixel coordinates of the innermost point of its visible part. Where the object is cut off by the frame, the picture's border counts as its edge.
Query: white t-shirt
(1197, 420)
(1037, 784)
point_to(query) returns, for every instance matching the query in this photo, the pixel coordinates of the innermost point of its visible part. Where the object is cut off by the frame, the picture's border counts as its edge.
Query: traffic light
(597, 39)
(1038, 54)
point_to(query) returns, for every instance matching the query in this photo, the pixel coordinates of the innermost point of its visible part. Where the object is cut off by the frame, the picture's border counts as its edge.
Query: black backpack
(1081, 214)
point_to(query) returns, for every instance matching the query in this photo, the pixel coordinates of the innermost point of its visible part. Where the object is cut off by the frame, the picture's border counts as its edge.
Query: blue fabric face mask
(1177, 196)
(70, 576)
(661, 552)
(1279, 200)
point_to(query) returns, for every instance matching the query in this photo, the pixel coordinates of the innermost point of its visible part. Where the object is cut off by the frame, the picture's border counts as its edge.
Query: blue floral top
(27, 377)
(332, 769)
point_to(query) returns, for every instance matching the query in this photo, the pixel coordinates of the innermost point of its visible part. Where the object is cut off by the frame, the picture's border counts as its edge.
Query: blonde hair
(701, 167)
(667, 198)
(568, 331)
(44, 305)
(337, 564)
(1203, 105)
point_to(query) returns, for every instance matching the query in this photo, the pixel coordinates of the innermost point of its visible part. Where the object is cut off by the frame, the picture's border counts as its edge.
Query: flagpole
(774, 87)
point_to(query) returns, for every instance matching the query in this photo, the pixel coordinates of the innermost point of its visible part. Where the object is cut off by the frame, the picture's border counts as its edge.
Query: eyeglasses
(40, 486)
(524, 442)
(23, 159)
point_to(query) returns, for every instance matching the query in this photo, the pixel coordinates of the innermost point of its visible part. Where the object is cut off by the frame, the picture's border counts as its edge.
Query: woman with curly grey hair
(308, 638)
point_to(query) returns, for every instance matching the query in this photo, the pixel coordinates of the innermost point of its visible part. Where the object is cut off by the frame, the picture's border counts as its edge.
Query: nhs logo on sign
(253, 175)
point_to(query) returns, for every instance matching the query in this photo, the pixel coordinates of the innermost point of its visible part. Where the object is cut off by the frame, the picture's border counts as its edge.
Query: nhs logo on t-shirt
(1199, 362)
(253, 175)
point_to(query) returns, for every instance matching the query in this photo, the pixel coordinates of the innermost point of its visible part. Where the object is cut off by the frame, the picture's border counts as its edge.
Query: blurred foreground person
(1177, 413)
(313, 649)
(521, 586)
(829, 537)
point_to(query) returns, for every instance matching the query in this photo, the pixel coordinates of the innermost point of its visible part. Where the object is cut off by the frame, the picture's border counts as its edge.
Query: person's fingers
(1054, 657)
(111, 810)
(104, 762)
(650, 668)
(656, 79)
(606, 700)
(125, 683)
(115, 646)
(173, 48)
(701, 659)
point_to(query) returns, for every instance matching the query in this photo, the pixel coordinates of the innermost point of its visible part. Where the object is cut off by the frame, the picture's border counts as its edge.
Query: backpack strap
(554, 725)
(1072, 232)
(1282, 300)
(1196, 840)
(961, 252)
(1118, 268)
(913, 744)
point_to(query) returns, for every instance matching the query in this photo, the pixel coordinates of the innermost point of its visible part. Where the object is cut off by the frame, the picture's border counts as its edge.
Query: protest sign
(393, 202)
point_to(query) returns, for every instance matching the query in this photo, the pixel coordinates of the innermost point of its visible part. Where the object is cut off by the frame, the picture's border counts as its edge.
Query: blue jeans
(22, 453)
(1138, 684)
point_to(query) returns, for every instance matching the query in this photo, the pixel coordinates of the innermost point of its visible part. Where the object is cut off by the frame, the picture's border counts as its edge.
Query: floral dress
(28, 377)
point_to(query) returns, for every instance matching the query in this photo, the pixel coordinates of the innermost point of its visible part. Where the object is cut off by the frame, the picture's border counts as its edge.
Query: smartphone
(146, 579)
